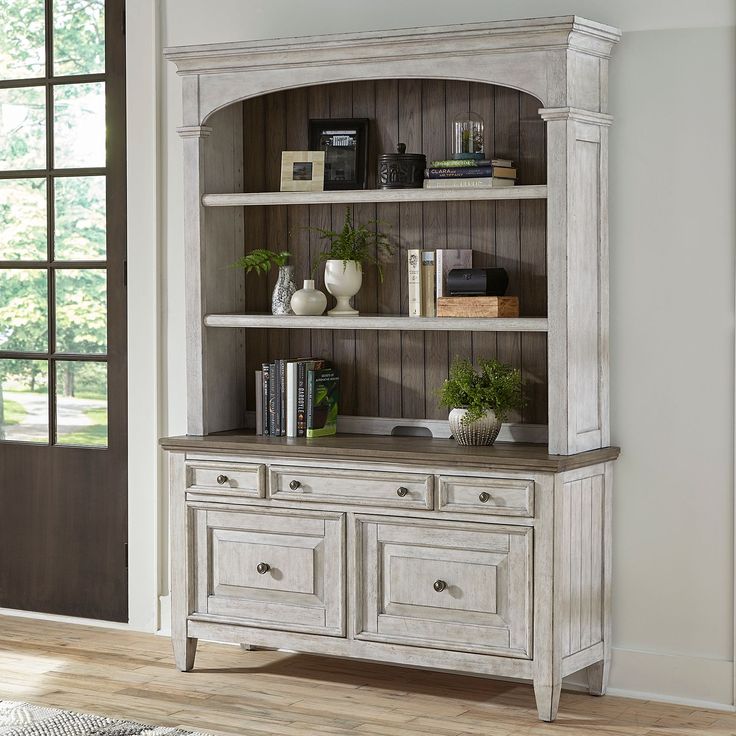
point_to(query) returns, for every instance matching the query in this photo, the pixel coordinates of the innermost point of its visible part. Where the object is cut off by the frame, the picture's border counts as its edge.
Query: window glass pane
(22, 39)
(81, 403)
(81, 311)
(79, 125)
(24, 400)
(22, 219)
(23, 310)
(79, 37)
(22, 128)
(79, 213)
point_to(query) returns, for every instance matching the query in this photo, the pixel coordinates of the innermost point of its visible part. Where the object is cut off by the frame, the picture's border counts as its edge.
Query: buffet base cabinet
(462, 568)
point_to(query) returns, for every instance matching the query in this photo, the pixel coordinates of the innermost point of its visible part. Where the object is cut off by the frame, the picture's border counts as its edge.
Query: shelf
(379, 322)
(386, 196)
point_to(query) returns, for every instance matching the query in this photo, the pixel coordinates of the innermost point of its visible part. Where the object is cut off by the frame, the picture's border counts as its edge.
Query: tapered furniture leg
(598, 677)
(548, 700)
(248, 647)
(185, 649)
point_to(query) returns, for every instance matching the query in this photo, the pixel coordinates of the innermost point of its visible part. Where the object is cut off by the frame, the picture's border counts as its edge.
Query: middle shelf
(380, 322)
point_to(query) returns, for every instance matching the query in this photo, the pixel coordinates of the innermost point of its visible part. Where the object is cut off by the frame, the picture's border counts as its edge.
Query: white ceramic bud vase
(343, 280)
(308, 301)
(482, 431)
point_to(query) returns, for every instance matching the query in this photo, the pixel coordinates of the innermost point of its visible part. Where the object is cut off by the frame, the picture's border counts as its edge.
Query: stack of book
(297, 397)
(427, 276)
(466, 173)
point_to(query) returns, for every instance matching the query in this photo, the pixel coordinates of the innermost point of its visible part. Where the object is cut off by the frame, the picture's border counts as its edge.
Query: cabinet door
(446, 585)
(282, 571)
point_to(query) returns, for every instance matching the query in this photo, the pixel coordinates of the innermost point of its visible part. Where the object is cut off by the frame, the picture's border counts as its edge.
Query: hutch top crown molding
(563, 61)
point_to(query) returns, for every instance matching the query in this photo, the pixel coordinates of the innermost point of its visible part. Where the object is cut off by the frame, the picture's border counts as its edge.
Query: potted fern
(261, 261)
(344, 257)
(480, 400)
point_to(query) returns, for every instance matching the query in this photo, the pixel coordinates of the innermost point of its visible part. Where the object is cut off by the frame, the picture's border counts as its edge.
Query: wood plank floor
(130, 675)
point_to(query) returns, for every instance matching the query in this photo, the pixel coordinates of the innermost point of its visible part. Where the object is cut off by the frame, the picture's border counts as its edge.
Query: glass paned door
(62, 305)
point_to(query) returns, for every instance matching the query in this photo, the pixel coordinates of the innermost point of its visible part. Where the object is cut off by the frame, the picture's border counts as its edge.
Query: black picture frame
(345, 143)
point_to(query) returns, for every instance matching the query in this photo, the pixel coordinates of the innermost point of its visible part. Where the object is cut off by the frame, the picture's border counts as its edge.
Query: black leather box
(477, 282)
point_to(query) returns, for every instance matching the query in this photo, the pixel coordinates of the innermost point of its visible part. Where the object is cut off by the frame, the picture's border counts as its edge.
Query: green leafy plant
(261, 260)
(354, 243)
(494, 386)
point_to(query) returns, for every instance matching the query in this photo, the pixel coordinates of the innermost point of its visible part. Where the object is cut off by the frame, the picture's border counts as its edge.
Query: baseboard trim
(700, 682)
(164, 615)
(54, 617)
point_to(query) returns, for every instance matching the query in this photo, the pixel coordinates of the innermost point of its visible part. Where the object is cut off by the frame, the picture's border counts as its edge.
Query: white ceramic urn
(308, 300)
(343, 280)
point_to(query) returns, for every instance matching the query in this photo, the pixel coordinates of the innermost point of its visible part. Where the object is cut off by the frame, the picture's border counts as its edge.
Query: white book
(291, 386)
(469, 183)
(414, 275)
(445, 260)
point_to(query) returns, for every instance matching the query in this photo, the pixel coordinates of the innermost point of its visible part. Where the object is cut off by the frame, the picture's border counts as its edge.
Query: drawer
(501, 496)
(241, 479)
(361, 488)
(446, 585)
(276, 570)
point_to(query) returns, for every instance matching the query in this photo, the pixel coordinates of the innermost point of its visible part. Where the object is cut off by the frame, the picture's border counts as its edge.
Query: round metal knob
(401, 491)
(484, 497)
(294, 485)
(439, 585)
(263, 568)
(222, 479)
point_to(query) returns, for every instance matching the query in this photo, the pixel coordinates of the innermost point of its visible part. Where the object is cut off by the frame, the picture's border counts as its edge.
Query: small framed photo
(302, 171)
(345, 145)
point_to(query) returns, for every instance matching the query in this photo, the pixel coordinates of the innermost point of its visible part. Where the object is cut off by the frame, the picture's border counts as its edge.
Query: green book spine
(323, 393)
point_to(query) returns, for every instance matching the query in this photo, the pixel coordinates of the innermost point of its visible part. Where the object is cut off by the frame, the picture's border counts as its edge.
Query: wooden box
(478, 306)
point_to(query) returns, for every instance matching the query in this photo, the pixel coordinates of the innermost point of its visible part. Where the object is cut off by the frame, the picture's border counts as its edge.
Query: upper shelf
(387, 196)
(380, 322)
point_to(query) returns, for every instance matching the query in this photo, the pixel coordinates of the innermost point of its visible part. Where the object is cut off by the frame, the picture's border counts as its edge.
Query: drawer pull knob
(294, 485)
(484, 497)
(401, 491)
(263, 568)
(439, 585)
(222, 479)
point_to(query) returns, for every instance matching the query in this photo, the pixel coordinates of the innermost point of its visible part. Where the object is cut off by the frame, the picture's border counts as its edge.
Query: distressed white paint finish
(502, 496)
(381, 196)
(379, 322)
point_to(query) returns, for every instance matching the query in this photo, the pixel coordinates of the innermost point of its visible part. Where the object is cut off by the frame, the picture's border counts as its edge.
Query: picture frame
(302, 171)
(344, 142)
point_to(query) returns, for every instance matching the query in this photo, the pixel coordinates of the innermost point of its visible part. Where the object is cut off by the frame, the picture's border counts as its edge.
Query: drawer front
(445, 585)
(241, 479)
(500, 496)
(361, 488)
(282, 571)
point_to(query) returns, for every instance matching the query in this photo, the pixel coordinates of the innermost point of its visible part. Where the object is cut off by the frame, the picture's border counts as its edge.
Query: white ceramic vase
(343, 280)
(308, 300)
(482, 431)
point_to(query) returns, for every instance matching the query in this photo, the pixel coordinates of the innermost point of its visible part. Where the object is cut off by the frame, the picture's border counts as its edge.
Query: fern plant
(354, 243)
(261, 260)
(495, 386)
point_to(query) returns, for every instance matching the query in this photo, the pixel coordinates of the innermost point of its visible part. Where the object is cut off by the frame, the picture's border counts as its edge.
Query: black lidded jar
(401, 170)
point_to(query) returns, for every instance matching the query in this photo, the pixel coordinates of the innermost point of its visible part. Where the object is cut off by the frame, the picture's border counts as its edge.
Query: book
(445, 260)
(476, 182)
(270, 373)
(453, 163)
(413, 271)
(323, 391)
(282, 397)
(259, 402)
(301, 393)
(291, 389)
(470, 171)
(428, 281)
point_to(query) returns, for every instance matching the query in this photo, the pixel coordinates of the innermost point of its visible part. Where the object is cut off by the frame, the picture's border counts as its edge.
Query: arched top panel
(561, 61)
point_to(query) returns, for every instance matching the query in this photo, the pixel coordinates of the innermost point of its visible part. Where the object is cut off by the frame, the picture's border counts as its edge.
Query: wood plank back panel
(395, 374)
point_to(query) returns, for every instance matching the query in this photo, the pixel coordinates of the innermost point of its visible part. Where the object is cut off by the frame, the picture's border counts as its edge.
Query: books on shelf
(414, 278)
(473, 182)
(445, 260)
(428, 283)
(283, 390)
(459, 163)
